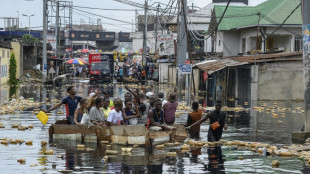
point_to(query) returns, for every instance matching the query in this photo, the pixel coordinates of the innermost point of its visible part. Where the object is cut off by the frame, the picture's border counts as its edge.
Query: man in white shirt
(161, 97)
(115, 116)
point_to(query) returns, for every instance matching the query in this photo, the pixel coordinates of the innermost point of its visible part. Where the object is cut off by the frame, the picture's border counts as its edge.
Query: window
(243, 45)
(269, 44)
(219, 43)
(8, 54)
(3, 54)
(298, 43)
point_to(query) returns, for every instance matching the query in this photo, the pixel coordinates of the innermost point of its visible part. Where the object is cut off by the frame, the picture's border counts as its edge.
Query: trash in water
(171, 154)
(33, 165)
(111, 152)
(49, 152)
(275, 163)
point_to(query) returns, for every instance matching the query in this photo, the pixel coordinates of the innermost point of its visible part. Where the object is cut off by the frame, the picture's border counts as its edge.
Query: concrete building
(198, 20)
(263, 66)
(5, 54)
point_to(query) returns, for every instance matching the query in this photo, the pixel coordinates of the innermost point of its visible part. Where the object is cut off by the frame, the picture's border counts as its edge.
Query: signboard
(94, 36)
(306, 39)
(124, 37)
(185, 68)
(165, 44)
(51, 39)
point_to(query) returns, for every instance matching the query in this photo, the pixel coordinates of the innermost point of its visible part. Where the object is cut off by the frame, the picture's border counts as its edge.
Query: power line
(106, 9)
(104, 22)
(217, 25)
(277, 27)
(103, 16)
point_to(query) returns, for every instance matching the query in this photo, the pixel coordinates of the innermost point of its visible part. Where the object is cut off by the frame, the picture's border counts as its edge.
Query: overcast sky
(9, 8)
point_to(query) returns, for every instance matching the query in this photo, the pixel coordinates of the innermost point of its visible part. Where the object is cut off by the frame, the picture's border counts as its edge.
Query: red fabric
(205, 76)
(67, 110)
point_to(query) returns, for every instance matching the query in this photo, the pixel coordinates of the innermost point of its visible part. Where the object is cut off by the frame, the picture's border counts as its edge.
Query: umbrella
(75, 61)
(85, 51)
(82, 60)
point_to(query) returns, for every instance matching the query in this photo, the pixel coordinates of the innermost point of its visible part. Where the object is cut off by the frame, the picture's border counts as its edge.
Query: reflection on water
(246, 126)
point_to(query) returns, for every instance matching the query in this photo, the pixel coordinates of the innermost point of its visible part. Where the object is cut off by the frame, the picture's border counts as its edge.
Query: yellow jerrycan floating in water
(42, 117)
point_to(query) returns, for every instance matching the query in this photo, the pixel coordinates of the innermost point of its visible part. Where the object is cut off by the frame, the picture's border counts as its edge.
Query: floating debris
(43, 143)
(159, 146)
(104, 142)
(171, 154)
(21, 160)
(80, 146)
(33, 165)
(185, 147)
(49, 152)
(111, 152)
(65, 171)
(29, 143)
(275, 163)
(126, 149)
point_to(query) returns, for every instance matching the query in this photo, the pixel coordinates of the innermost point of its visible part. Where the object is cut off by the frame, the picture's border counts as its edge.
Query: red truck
(101, 67)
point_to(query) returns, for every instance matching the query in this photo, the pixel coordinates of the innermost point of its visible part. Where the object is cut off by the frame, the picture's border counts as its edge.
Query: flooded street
(250, 126)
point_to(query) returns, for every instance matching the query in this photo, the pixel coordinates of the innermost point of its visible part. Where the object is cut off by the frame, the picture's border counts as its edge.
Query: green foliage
(12, 70)
(13, 90)
(29, 39)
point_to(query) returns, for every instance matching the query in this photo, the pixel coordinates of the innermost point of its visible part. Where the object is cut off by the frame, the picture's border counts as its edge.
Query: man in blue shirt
(70, 102)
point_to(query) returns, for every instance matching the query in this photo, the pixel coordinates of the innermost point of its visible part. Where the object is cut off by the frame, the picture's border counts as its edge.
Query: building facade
(5, 53)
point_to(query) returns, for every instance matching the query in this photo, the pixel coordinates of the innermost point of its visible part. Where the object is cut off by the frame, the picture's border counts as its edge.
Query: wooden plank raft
(124, 135)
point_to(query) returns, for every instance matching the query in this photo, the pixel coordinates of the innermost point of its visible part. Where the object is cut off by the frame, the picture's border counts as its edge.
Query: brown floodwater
(252, 126)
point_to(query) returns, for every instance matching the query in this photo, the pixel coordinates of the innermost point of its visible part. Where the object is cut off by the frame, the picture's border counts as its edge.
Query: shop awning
(211, 66)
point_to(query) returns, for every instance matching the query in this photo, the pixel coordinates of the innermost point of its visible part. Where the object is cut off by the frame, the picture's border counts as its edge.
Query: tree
(12, 70)
(29, 39)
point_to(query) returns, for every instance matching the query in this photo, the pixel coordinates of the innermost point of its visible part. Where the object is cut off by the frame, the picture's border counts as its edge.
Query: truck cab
(101, 68)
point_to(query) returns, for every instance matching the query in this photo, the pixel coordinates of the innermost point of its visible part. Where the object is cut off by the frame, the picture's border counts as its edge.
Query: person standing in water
(217, 123)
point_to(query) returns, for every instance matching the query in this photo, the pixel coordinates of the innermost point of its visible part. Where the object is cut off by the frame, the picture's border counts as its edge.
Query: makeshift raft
(124, 135)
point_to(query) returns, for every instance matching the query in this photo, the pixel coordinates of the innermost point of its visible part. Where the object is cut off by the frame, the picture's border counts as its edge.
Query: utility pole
(182, 46)
(306, 56)
(44, 57)
(156, 29)
(57, 29)
(145, 34)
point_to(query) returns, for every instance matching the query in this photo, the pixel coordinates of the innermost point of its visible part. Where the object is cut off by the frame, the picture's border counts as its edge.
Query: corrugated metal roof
(165, 60)
(295, 56)
(276, 10)
(212, 66)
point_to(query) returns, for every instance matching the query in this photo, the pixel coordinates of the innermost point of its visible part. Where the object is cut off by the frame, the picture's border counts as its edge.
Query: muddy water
(251, 126)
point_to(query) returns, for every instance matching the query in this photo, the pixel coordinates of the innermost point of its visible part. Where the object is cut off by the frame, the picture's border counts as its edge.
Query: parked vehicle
(101, 67)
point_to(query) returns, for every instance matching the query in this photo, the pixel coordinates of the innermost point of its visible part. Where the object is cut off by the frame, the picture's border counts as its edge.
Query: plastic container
(42, 117)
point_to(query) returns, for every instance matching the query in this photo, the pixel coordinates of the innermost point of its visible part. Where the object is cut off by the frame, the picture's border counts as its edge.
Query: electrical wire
(217, 25)
(106, 9)
(102, 16)
(277, 27)
(103, 22)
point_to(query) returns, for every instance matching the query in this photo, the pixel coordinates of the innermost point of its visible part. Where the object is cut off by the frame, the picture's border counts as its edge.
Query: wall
(249, 33)
(5, 62)
(163, 72)
(281, 81)
(172, 75)
(137, 40)
(284, 42)
(231, 43)
(18, 56)
(219, 38)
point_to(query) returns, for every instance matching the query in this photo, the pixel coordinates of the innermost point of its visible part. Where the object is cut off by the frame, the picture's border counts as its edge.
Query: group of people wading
(139, 108)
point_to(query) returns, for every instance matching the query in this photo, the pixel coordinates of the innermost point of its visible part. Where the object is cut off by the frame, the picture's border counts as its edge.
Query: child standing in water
(193, 118)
